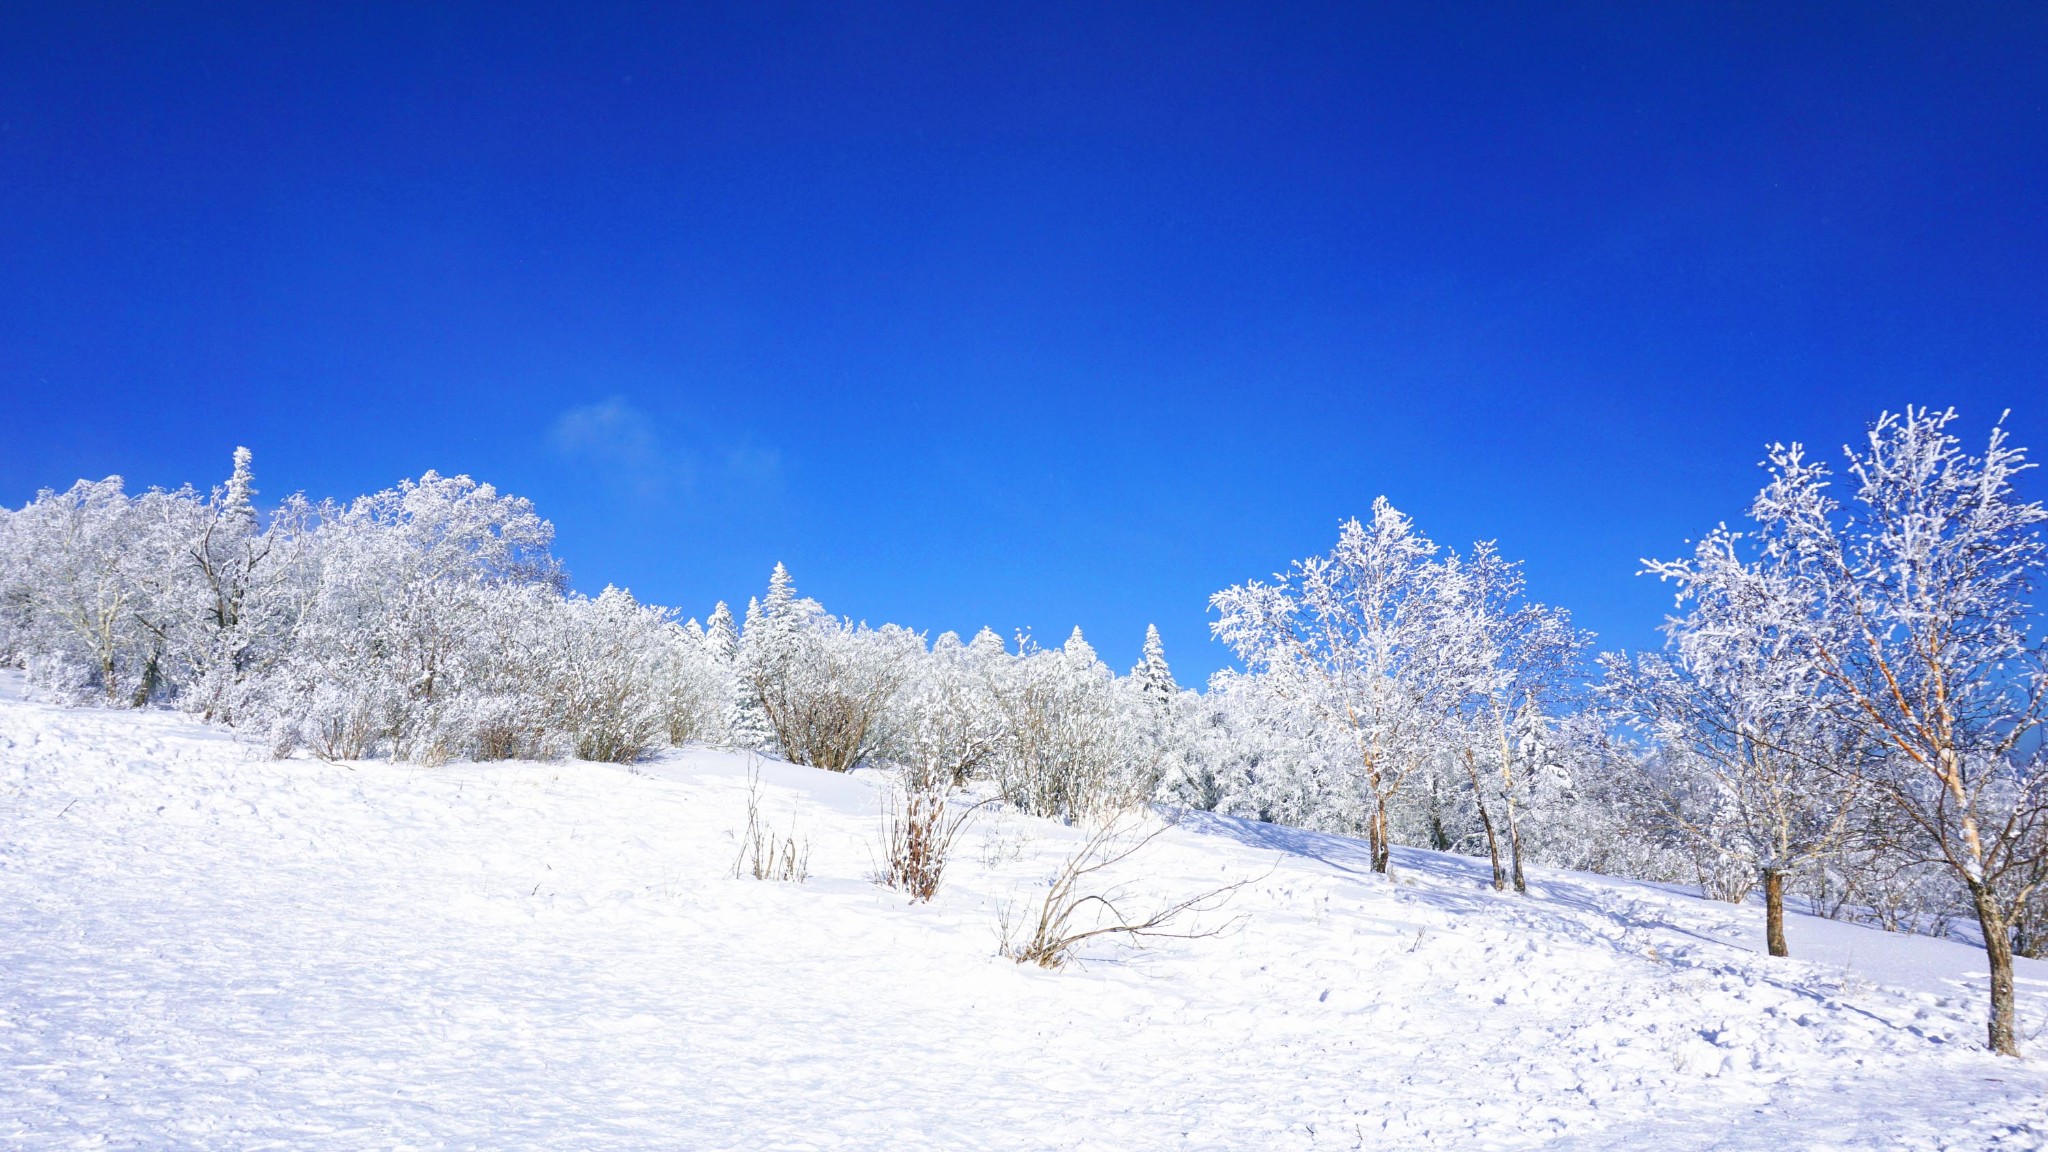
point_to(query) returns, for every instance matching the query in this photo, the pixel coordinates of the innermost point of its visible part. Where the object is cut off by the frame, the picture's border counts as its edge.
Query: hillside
(202, 948)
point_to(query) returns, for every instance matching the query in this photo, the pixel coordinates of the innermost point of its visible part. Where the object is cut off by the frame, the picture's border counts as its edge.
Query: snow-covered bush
(621, 677)
(949, 724)
(825, 685)
(1073, 741)
(79, 602)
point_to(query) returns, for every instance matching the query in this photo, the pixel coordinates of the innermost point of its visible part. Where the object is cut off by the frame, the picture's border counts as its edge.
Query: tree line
(1846, 714)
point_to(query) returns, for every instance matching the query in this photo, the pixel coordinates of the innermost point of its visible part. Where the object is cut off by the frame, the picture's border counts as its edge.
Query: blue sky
(1025, 317)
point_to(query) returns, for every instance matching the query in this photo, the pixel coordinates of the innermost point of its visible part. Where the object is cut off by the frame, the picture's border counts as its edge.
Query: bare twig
(1074, 912)
(919, 826)
(763, 854)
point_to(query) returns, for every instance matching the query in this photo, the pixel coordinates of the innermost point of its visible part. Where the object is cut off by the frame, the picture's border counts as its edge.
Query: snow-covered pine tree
(238, 502)
(1155, 680)
(722, 636)
(237, 614)
(781, 592)
(746, 722)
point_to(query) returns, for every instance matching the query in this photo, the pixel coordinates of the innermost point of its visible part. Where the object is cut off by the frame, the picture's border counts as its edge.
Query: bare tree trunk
(1774, 912)
(1500, 876)
(1381, 853)
(1507, 781)
(1998, 948)
(1515, 848)
(151, 677)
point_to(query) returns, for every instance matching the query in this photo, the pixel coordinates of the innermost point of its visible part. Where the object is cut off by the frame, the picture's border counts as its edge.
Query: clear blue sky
(1030, 317)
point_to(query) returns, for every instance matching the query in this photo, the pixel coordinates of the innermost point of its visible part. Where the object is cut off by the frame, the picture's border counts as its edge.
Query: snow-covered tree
(1755, 769)
(1908, 608)
(1351, 637)
(404, 586)
(1070, 747)
(722, 636)
(746, 720)
(72, 563)
(951, 725)
(824, 685)
(1155, 679)
(1510, 659)
(1261, 756)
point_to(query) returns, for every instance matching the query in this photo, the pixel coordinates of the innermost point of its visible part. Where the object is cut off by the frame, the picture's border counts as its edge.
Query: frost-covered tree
(722, 636)
(72, 563)
(1155, 679)
(746, 720)
(622, 678)
(1071, 748)
(950, 726)
(1510, 659)
(163, 596)
(1261, 756)
(405, 580)
(825, 686)
(1755, 770)
(1909, 608)
(1350, 637)
(251, 583)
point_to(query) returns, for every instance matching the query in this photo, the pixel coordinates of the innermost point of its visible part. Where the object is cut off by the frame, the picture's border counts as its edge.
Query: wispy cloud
(620, 443)
(626, 447)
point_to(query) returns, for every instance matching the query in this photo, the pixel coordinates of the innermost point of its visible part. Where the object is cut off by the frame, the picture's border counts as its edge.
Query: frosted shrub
(73, 561)
(919, 826)
(604, 666)
(341, 725)
(503, 727)
(690, 689)
(60, 679)
(282, 739)
(1262, 756)
(949, 725)
(824, 686)
(1070, 749)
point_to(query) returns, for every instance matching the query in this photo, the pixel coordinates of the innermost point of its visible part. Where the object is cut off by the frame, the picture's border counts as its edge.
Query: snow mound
(201, 948)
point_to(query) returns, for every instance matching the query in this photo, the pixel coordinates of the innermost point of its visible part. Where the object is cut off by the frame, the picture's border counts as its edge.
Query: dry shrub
(919, 826)
(1078, 907)
(764, 854)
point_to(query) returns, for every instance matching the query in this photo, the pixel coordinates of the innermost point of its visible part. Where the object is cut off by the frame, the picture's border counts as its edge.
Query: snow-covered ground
(199, 948)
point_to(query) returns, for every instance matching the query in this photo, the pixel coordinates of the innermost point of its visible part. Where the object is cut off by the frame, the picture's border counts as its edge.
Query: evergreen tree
(239, 501)
(1078, 648)
(781, 592)
(1155, 680)
(722, 636)
(232, 556)
(746, 719)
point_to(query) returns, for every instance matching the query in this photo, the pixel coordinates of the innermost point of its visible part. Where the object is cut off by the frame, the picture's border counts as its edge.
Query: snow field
(204, 949)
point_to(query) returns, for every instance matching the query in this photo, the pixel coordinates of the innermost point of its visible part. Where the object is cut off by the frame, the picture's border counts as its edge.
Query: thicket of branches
(1846, 715)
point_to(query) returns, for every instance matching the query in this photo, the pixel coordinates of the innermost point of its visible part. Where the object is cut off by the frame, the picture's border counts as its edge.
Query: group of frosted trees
(429, 622)
(424, 622)
(1845, 716)
(1855, 692)
(1848, 711)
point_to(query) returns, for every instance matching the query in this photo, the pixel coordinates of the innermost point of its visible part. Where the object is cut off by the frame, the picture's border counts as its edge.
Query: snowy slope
(199, 948)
